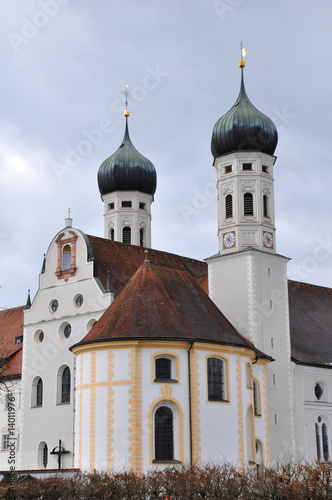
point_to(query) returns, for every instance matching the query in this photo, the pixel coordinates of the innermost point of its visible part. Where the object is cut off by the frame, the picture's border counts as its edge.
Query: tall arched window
(112, 234)
(248, 204)
(126, 235)
(141, 237)
(250, 435)
(164, 434)
(257, 406)
(216, 379)
(66, 257)
(229, 205)
(265, 205)
(65, 386)
(322, 440)
(42, 457)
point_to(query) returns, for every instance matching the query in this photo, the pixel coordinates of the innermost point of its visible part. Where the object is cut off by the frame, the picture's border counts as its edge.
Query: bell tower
(247, 278)
(127, 182)
(243, 143)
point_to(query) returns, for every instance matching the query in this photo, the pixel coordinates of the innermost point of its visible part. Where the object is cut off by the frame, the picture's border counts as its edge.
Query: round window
(38, 337)
(54, 305)
(79, 300)
(67, 331)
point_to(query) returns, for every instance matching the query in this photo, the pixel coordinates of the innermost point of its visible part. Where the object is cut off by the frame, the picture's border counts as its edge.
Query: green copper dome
(127, 170)
(243, 128)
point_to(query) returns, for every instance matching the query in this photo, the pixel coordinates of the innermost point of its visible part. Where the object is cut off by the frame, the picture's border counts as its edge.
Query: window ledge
(166, 462)
(258, 414)
(166, 380)
(218, 400)
(63, 403)
(36, 406)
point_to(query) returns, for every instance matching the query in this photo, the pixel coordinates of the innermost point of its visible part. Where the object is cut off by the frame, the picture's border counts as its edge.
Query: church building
(133, 358)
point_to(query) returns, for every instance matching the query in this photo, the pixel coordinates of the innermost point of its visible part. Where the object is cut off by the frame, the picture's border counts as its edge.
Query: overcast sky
(63, 66)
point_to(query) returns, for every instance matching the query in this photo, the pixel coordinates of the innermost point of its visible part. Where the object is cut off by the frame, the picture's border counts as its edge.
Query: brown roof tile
(11, 321)
(310, 310)
(164, 302)
(122, 261)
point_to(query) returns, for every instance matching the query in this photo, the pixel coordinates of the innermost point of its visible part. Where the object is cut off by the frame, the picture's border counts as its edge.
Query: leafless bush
(208, 482)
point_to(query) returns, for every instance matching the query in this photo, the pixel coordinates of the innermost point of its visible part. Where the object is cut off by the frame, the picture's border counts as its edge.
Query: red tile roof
(11, 321)
(310, 310)
(164, 302)
(122, 261)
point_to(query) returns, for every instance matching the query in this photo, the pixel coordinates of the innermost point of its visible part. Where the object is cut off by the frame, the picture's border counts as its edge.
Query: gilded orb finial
(243, 55)
(127, 95)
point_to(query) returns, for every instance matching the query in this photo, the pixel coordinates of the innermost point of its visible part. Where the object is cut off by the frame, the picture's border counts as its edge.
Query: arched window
(250, 435)
(66, 257)
(265, 205)
(126, 235)
(112, 234)
(163, 434)
(248, 204)
(39, 393)
(322, 440)
(216, 379)
(65, 386)
(257, 406)
(42, 458)
(229, 205)
(141, 237)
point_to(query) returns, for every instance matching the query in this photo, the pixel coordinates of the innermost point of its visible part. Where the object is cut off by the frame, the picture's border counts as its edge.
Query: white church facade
(132, 358)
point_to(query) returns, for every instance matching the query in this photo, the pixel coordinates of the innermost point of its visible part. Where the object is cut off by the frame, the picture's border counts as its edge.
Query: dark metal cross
(59, 450)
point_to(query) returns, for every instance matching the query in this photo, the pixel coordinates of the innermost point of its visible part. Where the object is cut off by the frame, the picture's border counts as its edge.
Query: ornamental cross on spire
(69, 213)
(126, 94)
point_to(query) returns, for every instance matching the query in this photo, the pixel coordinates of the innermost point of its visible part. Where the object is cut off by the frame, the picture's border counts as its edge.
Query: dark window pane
(141, 237)
(126, 203)
(215, 379)
(163, 368)
(256, 398)
(325, 442)
(39, 394)
(319, 451)
(318, 391)
(164, 447)
(45, 455)
(65, 386)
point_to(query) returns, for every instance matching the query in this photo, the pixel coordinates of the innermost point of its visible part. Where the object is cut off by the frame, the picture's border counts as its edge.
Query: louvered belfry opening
(163, 434)
(229, 205)
(126, 235)
(248, 204)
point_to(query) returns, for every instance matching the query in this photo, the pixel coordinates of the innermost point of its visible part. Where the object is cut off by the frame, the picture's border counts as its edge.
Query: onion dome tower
(243, 145)
(127, 182)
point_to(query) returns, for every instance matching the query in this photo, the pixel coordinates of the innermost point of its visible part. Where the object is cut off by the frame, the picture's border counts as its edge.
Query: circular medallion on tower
(243, 128)
(127, 170)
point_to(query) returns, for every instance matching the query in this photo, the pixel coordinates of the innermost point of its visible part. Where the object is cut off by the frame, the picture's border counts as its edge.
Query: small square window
(111, 206)
(265, 169)
(142, 205)
(5, 442)
(19, 339)
(126, 204)
(246, 166)
(228, 169)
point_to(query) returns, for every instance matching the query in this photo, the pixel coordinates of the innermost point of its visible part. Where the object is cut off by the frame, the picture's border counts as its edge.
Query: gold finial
(243, 55)
(146, 254)
(127, 95)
